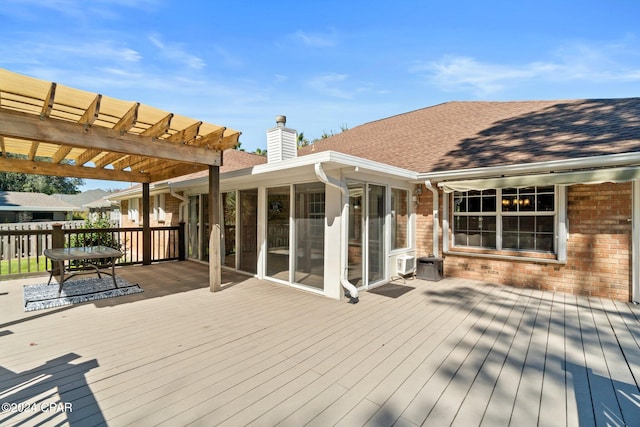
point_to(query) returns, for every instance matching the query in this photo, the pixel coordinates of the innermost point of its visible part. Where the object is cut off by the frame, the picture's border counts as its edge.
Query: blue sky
(325, 65)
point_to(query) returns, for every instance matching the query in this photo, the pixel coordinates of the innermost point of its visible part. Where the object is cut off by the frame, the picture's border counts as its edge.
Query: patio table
(62, 255)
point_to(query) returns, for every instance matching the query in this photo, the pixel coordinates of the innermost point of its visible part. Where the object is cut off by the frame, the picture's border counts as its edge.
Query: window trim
(134, 210)
(393, 221)
(159, 211)
(561, 234)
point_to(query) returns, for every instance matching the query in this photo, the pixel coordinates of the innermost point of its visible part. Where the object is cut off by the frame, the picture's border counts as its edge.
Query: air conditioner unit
(406, 264)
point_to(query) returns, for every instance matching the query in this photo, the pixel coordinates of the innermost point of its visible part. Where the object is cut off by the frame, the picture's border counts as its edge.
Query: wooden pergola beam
(213, 139)
(229, 141)
(91, 113)
(128, 120)
(185, 135)
(54, 169)
(147, 165)
(15, 124)
(61, 154)
(87, 156)
(159, 128)
(173, 171)
(33, 150)
(127, 161)
(47, 106)
(107, 159)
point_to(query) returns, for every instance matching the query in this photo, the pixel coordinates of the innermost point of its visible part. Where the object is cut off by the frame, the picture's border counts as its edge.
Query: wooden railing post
(57, 236)
(182, 249)
(146, 226)
(57, 241)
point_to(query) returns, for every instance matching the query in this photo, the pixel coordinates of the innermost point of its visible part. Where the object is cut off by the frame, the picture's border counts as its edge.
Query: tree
(326, 134)
(260, 152)
(302, 141)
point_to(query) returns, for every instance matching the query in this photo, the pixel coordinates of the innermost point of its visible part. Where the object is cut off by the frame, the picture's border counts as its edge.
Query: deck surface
(453, 352)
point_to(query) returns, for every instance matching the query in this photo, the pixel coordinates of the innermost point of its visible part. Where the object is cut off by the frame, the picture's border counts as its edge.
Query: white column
(333, 242)
(635, 245)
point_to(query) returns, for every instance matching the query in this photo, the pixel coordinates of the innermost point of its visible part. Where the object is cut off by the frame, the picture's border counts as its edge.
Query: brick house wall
(163, 246)
(598, 248)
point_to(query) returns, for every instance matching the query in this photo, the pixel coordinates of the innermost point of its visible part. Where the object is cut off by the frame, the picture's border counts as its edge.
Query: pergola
(50, 129)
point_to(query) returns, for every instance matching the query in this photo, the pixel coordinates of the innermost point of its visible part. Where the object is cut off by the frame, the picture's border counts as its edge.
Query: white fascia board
(155, 188)
(338, 160)
(593, 176)
(331, 159)
(126, 194)
(609, 160)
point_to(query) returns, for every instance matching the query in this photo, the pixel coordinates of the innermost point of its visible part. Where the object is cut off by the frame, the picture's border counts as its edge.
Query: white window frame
(561, 228)
(134, 210)
(159, 207)
(393, 223)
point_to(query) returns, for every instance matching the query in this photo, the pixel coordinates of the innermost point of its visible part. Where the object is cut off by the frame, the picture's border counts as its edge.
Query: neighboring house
(94, 203)
(539, 194)
(27, 207)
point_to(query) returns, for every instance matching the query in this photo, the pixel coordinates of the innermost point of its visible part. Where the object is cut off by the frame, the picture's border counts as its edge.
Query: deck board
(618, 369)
(477, 398)
(453, 352)
(553, 397)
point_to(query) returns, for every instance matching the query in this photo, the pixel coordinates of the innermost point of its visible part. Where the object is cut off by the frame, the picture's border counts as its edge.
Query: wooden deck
(453, 352)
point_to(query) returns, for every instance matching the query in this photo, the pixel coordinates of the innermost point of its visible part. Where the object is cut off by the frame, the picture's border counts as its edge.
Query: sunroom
(325, 222)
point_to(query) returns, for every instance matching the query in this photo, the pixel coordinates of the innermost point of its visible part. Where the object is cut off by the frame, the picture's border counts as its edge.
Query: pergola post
(215, 278)
(146, 226)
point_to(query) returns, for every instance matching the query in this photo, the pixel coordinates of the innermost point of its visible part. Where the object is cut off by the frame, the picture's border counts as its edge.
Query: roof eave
(608, 160)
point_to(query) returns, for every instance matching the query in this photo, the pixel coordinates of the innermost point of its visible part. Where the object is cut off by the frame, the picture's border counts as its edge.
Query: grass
(24, 265)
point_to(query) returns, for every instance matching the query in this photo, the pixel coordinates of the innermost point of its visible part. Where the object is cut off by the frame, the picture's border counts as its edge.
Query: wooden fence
(21, 249)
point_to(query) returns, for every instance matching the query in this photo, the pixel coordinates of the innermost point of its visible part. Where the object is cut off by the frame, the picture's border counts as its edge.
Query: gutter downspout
(436, 217)
(183, 203)
(322, 176)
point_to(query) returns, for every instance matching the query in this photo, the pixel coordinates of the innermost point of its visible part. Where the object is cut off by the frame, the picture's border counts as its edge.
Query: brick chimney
(282, 142)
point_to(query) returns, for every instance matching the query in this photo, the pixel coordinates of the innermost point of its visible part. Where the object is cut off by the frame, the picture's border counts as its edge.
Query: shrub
(95, 238)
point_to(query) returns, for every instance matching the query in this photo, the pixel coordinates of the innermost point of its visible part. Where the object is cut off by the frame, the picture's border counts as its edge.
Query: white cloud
(315, 39)
(280, 78)
(72, 51)
(456, 72)
(340, 86)
(328, 85)
(576, 62)
(80, 9)
(176, 53)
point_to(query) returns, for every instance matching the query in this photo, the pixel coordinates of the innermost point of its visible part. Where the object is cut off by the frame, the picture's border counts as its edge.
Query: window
(528, 218)
(159, 207)
(278, 226)
(474, 219)
(399, 218)
(309, 223)
(133, 210)
(524, 219)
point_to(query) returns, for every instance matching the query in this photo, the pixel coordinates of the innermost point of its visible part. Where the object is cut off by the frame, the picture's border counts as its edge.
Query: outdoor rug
(391, 290)
(38, 297)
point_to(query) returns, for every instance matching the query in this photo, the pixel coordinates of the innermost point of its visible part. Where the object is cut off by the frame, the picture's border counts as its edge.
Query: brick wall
(164, 245)
(598, 248)
(171, 207)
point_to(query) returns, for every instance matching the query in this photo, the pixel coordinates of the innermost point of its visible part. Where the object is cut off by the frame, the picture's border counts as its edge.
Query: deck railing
(21, 250)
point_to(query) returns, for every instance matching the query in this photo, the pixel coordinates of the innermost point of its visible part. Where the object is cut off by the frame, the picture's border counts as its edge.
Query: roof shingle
(464, 135)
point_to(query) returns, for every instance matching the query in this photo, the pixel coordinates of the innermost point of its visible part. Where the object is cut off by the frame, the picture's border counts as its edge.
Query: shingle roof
(231, 160)
(84, 198)
(14, 200)
(461, 135)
